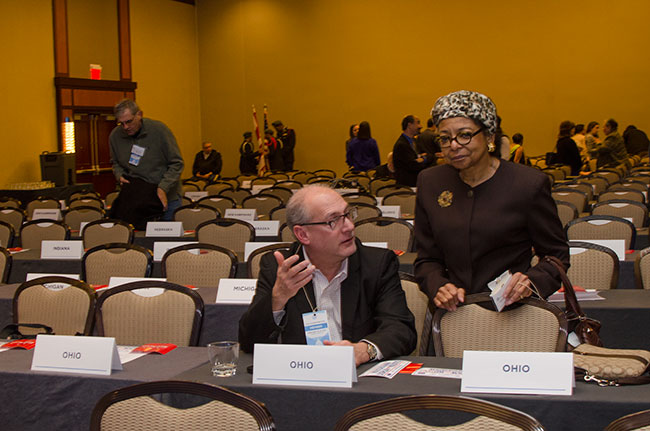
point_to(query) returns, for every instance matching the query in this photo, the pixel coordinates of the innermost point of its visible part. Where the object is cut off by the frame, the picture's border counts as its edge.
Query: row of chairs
(71, 217)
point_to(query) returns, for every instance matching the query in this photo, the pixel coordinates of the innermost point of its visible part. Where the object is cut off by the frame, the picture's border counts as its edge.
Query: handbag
(611, 367)
(585, 328)
(12, 331)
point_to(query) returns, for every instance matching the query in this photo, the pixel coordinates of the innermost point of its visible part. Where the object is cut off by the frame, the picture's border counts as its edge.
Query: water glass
(223, 357)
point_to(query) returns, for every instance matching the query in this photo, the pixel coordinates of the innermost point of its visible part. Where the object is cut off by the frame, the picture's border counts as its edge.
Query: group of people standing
(278, 150)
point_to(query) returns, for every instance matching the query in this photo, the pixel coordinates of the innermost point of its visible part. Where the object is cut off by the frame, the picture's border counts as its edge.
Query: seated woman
(567, 150)
(478, 216)
(363, 153)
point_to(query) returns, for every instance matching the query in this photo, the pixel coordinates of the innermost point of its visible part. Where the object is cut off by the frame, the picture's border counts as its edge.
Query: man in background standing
(612, 151)
(288, 138)
(207, 163)
(408, 163)
(248, 155)
(427, 142)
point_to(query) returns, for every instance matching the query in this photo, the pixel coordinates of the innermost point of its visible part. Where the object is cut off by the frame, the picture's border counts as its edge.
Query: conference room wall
(28, 125)
(323, 65)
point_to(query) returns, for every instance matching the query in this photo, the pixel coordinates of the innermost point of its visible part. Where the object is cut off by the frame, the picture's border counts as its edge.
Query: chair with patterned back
(617, 194)
(405, 199)
(237, 195)
(229, 233)
(141, 406)
(195, 214)
(637, 211)
(173, 315)
(362, 179)
(106, 231)
(601, 227)
(263, 181)
(593, 266)
(587, 189)
(9, 202)
(320, 180)
(302, 177)
(186, 201)
(280, 192)
(533, 326)
(110, 198)
(566, 211)
(7, 234)
(473, 413)
(253, 263)
(365, 198)
(13, 216)
(325, 173)
(418, 303)
(83, 194)
(5, 265)
(383, 191)
(286, 234)
(289, 184)
(366, 211)
(74, 217)
(574, 196)
(399, 234)
(610, 175)
(278, 176)
(64, 304)
(35, 231)
(279, 214)
(556, 173)
(628, 184)
(263, 203)
(219, 202)
(101, 263)
(642, 269)
(87, 201)
(233, 181)
(599, 184)
(41, 203)
(199, 265)
(191, 187)
(639, 421)
(216, 188)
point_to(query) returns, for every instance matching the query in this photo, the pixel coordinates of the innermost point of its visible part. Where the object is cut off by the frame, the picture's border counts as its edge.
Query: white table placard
(376, 244)
(250, 247)
(72, 354)
(236, 290)
(161, 247)
(52, 286)
(390, 211)
(266, 227)
(244, 214)
(302, 365)
(61, 249)
(195, 196)
(257, 188)
(147, 291)
(345, 191)
(617, 245)
(47, 214)
(530, 373)
(164, 228)
(246, 184)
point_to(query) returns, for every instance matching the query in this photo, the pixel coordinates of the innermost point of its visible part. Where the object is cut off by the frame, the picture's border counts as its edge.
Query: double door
(93, 156)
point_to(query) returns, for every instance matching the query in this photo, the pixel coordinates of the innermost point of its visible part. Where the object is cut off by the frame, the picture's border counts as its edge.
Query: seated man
(328, 269)
(207, 163)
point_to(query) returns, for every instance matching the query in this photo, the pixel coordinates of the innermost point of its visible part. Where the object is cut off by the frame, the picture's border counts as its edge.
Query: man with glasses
(354, 289)
(144, 152)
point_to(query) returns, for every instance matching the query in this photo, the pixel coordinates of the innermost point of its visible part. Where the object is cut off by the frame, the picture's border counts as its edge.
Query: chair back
(7, 233)
(377, 183)
(253, 263)
(262, 181)
(405, 199)
(363, 198)
(566, 211)
(279, 214)
(110, 198)
(191, 187)
(366, 211)
(610, 175)
(7, 202)
(134, 408)
(278, 176)
(219, 202)
(556, 174)
(601, 227)
(639, 421)
(263, 203)
(83, 194)
(587, 189)
(5, 265)
(642, 269)
(280, 192)
(289, 184)
(302, 177)
(237, 195)
(106, 231)
(616, 194)
(35, 231)
(637, 211)
(68, 307)
(325, 173)
(41, 203)
(592, 266)
(198, 265)
(286, 234)
(234, 182)
(397, 233)
(418, 303)
(574, 196)
(599, 184)
(229, 233)
(195, 214)
(100, 263)
(387, 415)
(383, 191)
(74, 217)
(13, 216)
(87, 201)
(534, 326)
(630, 184)
(216, 188)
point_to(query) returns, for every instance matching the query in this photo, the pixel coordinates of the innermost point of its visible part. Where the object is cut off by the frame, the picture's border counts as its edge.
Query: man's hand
(361, 355)
(518, 288)
(124, 180)
(163, 198)
(449, 296)
(290, 278)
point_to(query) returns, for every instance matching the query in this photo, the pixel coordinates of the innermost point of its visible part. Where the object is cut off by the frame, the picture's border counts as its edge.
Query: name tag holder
(236, 290)
(164, 228)
(266, 227)
(61, 249)
(244, 214)
(47, 214)
(71, 354)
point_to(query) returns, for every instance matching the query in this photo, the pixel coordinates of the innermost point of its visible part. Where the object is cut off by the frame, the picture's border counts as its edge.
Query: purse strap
(571, 301)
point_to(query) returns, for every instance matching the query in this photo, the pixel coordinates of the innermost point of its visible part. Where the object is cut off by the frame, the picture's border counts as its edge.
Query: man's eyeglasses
(125, 123)
(463, 138)
(336, 222)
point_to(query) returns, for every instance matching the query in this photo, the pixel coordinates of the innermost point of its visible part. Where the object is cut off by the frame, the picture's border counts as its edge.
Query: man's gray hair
(124, 105)
(297, 211)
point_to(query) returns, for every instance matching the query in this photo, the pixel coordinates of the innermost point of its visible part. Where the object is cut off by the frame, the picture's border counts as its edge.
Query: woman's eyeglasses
(463, 138)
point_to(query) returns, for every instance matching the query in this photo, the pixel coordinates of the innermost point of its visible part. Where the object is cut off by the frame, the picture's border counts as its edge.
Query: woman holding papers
(478, 216)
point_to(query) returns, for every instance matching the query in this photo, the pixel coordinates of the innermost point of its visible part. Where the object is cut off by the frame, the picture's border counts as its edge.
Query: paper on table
(446, 373)
(127, 355)
(386, 369)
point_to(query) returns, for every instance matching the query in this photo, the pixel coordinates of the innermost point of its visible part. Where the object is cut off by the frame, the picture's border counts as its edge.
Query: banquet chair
(399, 234)
(115, 259)
(279, 214)
(616, 194)
(233, 181)
(587, 189)
(5, 265)
(566, 211)
(74, 217)
(642, 269)
(612, 176)
(366, 211)
(325, 173)
(289, 184)
(286, 234)
(263, 181)
(637, 211)
(601, 227)
(35, 231)
(106, 231)
(629, 184)
(253, 263)
(534, 326)
(134, 408)
(214, 189)
(282, 193)
(229, 233)
(556, 173)
(574, 196)
(405, 199)
(302, 177)
(41, 203)
(631, 422)
(388, 415)
(67, 310)
(193, 215)
(263, 203)
(418, 302)
(173, 315)
(219, 202)
(9, 202)
(83, 194)
(599, 184)
(110, 198)
(198, 265)
(364, 198)
(377, 183)
(278, 176)
(87, 201)
(190, 187)
(13, 216)
(384, 191)
(361, 179)
(592, 266)
(237, 195)
(320, 180)
(7, 234)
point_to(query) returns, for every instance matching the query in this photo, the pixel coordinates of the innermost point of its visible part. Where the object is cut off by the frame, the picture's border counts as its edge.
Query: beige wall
(323, 65)
(28, 102)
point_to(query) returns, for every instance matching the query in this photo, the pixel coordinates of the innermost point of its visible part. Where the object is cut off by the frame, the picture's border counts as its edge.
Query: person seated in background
(329, 270)
(567, 150)
(248, 156)
(579, 138)
(363, 153)
(592, 140)
(612, 151)
(517, 149)
(408, 163)
(427, 142)
(636, 141)
(387, 170)
(207, 163)
(274, 151)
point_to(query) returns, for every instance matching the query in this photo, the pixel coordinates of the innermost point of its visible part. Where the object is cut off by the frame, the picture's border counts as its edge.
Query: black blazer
(373, 306)
(404, 160)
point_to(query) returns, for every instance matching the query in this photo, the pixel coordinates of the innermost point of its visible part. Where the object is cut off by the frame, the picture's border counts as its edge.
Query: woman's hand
(449, 296)
(518, 288)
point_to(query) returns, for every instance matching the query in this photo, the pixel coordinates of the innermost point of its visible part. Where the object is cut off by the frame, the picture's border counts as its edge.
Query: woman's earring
(491, 147)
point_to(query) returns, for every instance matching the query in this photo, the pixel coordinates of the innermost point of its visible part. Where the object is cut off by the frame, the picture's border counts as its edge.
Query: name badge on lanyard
(316, 327)
(136, 154)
